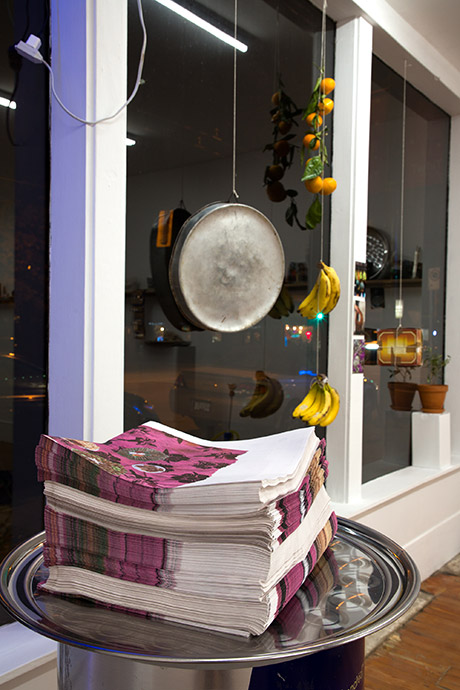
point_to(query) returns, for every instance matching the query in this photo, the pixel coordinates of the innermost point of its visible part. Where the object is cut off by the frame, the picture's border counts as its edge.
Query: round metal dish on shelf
(374, 582)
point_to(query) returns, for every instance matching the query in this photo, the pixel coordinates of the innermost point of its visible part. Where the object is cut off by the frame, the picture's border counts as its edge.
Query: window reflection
(24, 200)
(418, 274)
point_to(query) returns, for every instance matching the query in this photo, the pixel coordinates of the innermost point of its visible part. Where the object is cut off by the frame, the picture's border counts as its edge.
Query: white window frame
(417, 506)
(87, 218)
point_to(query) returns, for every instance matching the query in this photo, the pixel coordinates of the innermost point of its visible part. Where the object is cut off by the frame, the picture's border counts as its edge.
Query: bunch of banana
(324, 295)
(267, 397)
(321, 404)
(283, 305)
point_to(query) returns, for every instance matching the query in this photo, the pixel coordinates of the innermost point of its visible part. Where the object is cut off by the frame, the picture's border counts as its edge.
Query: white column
(452, 332)
(353, 64)
(87, 215)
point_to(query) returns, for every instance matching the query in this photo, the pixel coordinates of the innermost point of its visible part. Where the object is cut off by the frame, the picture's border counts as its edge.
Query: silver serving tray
(377, 581)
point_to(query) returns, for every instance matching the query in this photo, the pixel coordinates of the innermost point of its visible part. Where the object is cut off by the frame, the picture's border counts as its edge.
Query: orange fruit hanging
(282, 148)
(315, 185)
(314, 120)
(284, 126)
(327, 85)
(329, 186)
(311, 142)
(275, 172)
(325, 105)
(276, 191)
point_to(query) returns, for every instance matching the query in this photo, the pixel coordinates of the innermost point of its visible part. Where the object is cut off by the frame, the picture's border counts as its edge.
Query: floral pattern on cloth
(145, 456)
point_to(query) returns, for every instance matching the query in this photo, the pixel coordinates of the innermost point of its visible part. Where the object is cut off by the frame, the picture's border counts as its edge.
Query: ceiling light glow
(6, 103)
(202, 24)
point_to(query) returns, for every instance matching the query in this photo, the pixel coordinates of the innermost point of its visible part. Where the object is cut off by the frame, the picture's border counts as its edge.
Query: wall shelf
(394, 282)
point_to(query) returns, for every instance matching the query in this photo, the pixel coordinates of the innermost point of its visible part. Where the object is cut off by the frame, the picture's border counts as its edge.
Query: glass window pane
(421, 246)
(24, 200)
(200, 381)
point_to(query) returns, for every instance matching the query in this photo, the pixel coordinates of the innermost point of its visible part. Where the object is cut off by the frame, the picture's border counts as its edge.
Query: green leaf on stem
(313, 168)
(314, 100)
(314, 214)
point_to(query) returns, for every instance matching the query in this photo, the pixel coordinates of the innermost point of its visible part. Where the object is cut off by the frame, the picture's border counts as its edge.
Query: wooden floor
(425, 652)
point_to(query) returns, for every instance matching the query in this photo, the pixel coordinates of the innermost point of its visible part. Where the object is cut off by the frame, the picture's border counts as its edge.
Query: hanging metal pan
(162, 238)
(227, 267)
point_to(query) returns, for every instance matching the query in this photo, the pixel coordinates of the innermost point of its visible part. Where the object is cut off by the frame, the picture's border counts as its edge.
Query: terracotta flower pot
(402, 395)
(432, 397)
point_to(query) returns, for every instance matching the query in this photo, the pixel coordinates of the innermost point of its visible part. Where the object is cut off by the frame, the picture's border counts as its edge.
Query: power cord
(30, 50)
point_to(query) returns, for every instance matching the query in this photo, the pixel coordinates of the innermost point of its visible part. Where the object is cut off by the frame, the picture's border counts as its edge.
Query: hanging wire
(234, 192)
(133, 93)
(182, 131)
(323, 125)
(322, 66)
(403, 167)
(277, 65)
(401, 218)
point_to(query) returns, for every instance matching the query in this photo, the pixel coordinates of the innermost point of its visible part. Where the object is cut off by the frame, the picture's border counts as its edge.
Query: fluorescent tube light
(130, 142)
(210, 28)
(6, 103)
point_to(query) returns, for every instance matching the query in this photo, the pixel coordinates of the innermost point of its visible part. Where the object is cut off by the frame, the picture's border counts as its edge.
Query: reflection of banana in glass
(359, 319)
(283, 305)
(267, 397)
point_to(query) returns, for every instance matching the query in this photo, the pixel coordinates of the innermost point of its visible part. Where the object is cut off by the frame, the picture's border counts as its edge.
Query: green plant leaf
(313, 168)
(313, 102)
(314, 214)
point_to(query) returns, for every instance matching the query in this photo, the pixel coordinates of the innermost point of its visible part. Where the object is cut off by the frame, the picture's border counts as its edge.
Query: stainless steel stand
(79, 669)
(316, 642)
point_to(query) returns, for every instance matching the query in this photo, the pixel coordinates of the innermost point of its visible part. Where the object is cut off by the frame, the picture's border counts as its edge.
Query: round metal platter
(227, 267)
(367, 582)
(377, 253)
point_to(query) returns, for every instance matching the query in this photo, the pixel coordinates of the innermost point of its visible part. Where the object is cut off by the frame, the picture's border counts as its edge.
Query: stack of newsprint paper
(219, 535)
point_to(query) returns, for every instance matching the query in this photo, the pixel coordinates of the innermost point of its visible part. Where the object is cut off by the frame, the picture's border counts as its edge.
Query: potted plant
(402, 390)
(433, 394)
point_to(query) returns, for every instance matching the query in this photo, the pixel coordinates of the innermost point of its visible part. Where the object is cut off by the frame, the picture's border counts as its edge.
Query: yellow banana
(335, 287)
(281, 307)
(286, 298)
(311, 402)
(319, 298)
(315, 408)
(323, 410)
(274, 313)
(324, 290)
(335, 406)
(259, 397)
(309, 302)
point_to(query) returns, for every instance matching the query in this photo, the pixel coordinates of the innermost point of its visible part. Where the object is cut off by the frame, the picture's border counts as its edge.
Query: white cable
(135, 89)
